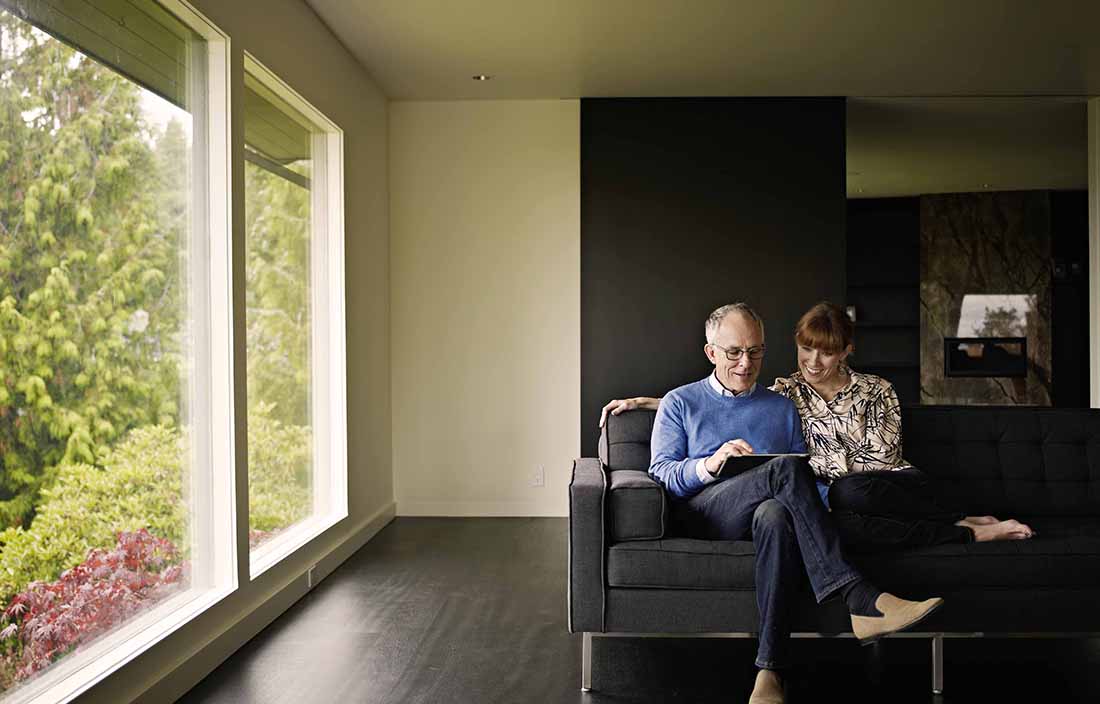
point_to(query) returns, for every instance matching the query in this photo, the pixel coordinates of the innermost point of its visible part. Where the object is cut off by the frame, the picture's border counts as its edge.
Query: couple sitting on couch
(851, 425)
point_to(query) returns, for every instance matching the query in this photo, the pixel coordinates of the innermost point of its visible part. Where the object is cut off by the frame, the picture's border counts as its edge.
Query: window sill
(289, 541)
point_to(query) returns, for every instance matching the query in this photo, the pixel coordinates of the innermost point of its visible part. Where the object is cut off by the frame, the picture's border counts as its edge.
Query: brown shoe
(897, 614)
(768, 689)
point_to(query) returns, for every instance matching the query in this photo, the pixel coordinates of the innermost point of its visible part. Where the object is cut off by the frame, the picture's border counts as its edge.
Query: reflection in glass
(278, 313)
(95, 520)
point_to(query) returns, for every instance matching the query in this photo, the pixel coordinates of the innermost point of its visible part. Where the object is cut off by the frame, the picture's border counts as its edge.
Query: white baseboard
(485, 509)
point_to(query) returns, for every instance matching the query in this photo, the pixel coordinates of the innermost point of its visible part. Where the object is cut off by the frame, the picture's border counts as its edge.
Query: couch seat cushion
(682, 563)
(1066, 553)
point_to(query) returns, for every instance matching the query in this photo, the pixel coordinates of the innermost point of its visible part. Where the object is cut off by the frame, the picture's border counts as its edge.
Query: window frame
(213, 524)
(328, 363)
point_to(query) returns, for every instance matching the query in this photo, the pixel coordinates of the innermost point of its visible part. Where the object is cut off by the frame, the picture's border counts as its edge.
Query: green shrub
(279, 460)
(139, 487)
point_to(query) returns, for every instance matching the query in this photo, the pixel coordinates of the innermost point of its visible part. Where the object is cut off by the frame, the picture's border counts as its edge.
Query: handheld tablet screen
(735, 465)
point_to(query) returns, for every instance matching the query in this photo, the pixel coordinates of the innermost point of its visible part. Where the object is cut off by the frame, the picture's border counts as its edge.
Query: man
(776, 504)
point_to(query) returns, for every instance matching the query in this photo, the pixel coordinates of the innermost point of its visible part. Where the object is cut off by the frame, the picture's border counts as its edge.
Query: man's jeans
(778, 506)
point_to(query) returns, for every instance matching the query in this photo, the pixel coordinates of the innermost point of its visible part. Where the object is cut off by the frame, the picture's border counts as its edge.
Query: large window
(116, 490)
(295, 322)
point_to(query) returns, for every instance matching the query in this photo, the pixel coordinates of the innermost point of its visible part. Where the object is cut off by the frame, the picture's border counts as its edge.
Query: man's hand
(733, 448)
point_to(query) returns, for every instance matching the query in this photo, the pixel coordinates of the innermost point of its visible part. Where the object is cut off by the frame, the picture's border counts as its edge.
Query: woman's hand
(628, 404)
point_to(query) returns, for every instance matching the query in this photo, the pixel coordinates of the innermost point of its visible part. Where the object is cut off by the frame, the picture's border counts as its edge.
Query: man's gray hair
(714, 320)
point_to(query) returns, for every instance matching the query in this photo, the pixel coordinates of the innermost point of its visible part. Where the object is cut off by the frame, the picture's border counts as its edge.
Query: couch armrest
(587, 546)
(636, 506)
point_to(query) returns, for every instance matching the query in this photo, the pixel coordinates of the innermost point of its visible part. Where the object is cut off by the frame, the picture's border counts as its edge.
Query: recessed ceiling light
(481, 77)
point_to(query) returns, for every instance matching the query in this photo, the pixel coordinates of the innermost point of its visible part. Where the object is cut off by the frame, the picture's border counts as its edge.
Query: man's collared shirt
(723, 391)
(701, 466)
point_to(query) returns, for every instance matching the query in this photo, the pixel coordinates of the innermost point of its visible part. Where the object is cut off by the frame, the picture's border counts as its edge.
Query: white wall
(485, 334)
(288, 38)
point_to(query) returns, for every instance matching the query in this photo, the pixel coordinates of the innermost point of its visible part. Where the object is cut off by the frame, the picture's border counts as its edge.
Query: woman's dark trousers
(892, 509)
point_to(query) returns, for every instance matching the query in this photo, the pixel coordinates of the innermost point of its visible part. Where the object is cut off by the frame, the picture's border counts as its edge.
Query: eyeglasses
(734, 353)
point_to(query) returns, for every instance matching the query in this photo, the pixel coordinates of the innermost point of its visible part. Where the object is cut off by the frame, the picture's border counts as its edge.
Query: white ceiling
(429, 49)
(911, 146)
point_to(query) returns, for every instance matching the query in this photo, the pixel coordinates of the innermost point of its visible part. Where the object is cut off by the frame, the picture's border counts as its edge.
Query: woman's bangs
(819, 335)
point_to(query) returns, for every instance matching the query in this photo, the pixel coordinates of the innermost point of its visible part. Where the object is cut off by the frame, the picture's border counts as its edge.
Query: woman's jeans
(892, 509)
(778, 507)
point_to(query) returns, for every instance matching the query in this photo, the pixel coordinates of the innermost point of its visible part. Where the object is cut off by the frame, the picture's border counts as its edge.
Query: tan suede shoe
(768, 689)
(897, 614)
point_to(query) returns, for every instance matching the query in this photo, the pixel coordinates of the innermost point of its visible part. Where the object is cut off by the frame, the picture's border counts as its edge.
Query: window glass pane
(95, 348)
(277, 294)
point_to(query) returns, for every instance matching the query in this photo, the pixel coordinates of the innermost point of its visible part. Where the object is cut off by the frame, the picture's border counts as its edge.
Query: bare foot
(980, 520)
(1001, 530)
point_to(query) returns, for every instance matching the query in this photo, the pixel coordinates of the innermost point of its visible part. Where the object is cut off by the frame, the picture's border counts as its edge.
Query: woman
(852, 426)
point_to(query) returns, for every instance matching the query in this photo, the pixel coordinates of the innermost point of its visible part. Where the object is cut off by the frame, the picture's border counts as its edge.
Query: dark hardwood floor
(473, 610)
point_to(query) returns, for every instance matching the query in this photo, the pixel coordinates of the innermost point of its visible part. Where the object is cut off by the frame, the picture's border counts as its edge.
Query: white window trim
(289, 541)
(328, 348)
(213, 519)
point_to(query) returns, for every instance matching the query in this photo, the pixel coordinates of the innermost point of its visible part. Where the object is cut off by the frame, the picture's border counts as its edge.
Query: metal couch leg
(937, 664)
(586, 662)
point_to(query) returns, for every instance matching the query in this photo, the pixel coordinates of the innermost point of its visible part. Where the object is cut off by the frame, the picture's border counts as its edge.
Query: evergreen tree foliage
(93, 216)
(277, 295)
(90, 226)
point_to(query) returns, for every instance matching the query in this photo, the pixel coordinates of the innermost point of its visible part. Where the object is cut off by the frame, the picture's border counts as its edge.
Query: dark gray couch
(627, 576)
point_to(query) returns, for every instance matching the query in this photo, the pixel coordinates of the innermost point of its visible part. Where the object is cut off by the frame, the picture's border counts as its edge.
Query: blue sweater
(693, 421)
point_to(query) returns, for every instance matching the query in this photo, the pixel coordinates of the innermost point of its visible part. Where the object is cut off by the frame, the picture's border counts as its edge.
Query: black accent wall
(884, 286)
(687, 204)
(1069, 325)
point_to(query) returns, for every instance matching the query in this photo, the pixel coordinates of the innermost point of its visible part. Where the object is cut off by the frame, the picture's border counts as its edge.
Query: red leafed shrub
(258, 537)
(48, 620)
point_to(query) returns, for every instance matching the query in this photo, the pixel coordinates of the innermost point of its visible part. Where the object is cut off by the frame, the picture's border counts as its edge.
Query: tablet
(736, 464)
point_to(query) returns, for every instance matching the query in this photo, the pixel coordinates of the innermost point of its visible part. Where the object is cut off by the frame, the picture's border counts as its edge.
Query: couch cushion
(1066, 553)
(984, 459)
(683, 563)
(637, 506)
(624, 441)
(1008, 460)
(990, 611)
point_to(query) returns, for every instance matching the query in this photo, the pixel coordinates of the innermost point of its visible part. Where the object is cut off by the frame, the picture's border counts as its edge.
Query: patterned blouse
(858, 431)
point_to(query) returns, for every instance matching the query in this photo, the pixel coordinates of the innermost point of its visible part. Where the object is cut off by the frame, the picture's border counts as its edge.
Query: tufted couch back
(1007, 460)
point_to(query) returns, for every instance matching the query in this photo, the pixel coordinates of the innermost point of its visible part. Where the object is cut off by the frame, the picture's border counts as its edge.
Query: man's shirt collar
(723, 391)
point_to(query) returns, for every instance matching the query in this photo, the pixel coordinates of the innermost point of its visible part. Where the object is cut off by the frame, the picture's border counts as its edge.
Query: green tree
(1001, 322)
(277, 293)
(89, 304)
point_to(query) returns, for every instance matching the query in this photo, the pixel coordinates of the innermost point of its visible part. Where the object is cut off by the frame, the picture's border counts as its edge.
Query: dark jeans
(778, 506)
(892, 509)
